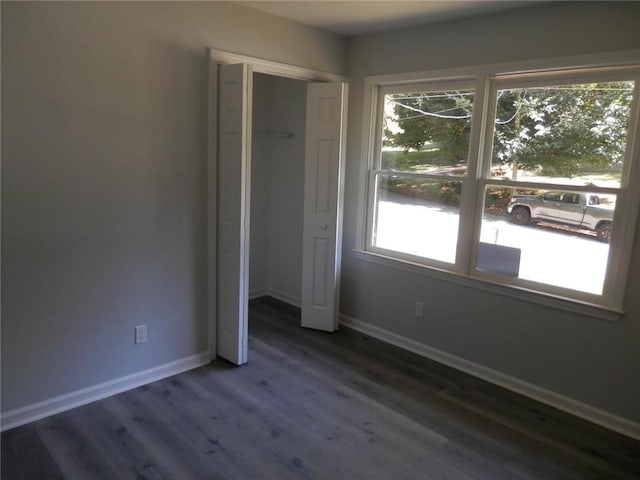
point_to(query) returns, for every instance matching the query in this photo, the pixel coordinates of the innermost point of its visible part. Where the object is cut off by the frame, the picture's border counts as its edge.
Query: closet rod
(276, 133)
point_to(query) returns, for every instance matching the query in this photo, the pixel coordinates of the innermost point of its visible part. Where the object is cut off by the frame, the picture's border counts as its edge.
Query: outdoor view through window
(549, 186)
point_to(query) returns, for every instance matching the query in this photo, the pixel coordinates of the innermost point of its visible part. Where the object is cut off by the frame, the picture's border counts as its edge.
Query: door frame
(258, 65)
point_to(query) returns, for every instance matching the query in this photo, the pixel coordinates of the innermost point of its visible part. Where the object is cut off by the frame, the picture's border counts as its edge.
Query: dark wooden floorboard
(312, 405)
(25, 457)
(464, 408)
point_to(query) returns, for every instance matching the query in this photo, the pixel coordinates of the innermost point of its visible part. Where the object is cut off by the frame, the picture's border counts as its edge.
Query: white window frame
(458, 84)
(486, 81)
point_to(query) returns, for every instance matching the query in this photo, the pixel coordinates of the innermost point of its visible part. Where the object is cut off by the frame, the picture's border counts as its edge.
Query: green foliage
(559, 131)
(563, 130)
(448, 192)
(439, 119)
(445, 193)
(404, 161)
(497, 199)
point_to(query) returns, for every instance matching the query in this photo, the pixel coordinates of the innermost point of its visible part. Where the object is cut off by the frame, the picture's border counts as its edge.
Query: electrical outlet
(419, 309)
(140, 334)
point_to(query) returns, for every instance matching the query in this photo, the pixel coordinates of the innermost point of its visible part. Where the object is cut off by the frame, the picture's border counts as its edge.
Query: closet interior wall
(277, 187)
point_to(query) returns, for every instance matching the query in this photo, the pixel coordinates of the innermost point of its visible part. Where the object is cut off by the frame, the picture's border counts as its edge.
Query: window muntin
(480, 178)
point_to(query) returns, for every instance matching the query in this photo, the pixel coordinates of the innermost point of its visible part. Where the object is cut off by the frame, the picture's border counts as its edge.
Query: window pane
(563, 134)
(427, 131)
(557, 238)
(417, 216)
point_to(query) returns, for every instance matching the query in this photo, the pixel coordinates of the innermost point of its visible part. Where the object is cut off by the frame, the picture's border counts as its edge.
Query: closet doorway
(290, 245)
(277, 188)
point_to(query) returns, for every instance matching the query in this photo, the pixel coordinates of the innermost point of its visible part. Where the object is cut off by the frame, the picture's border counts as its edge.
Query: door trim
(279, 69)
(259, 65)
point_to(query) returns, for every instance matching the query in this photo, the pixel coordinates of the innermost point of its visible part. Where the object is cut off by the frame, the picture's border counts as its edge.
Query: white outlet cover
(140, 334)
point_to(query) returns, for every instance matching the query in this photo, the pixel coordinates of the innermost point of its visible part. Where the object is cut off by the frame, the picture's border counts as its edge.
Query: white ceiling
(355, 17)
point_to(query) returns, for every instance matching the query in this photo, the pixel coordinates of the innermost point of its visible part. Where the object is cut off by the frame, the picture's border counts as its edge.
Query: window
(519, 180)
(419, 184)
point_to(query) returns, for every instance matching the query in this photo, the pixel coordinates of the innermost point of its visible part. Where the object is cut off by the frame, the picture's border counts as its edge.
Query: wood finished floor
(311, 405)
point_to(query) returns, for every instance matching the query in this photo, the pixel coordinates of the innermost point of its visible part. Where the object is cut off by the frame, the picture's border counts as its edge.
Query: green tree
(563, 130)
(440, 119)
(559, 130)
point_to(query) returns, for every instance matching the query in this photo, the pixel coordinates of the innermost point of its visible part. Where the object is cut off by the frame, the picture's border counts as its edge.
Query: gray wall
(277, 187)
(589, 360)
(103, 180)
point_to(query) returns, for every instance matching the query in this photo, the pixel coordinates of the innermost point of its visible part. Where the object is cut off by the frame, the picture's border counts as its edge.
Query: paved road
(548, 255)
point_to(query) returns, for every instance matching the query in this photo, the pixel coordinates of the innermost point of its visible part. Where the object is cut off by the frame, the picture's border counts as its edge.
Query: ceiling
(363, 16)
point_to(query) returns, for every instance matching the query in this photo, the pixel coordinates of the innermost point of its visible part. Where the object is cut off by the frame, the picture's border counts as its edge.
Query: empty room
(320, 239)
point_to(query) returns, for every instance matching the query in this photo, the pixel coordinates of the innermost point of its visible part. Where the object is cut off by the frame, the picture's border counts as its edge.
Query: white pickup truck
(581, 210)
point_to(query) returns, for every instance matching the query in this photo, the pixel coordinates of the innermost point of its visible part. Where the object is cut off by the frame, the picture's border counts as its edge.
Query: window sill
(539, 298)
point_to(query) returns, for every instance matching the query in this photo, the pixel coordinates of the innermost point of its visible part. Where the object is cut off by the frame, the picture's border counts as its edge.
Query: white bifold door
(234, 180)
(326, 121)
(323, 191)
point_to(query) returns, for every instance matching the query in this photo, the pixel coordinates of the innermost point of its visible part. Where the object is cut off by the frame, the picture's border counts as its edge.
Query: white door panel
(324, 172)
(234, 142)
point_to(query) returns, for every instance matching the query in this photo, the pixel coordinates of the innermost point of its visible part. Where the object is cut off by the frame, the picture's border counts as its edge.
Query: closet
(277, 187)
(276, 173)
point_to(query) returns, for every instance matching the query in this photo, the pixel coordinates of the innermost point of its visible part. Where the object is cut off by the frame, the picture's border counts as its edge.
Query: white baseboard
(257, 293)
(36, 411)
(277, 294)
(284, 297)
(595, 415)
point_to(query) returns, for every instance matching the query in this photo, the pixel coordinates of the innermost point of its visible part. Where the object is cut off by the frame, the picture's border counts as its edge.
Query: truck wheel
(603, 230)
(521, 215)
